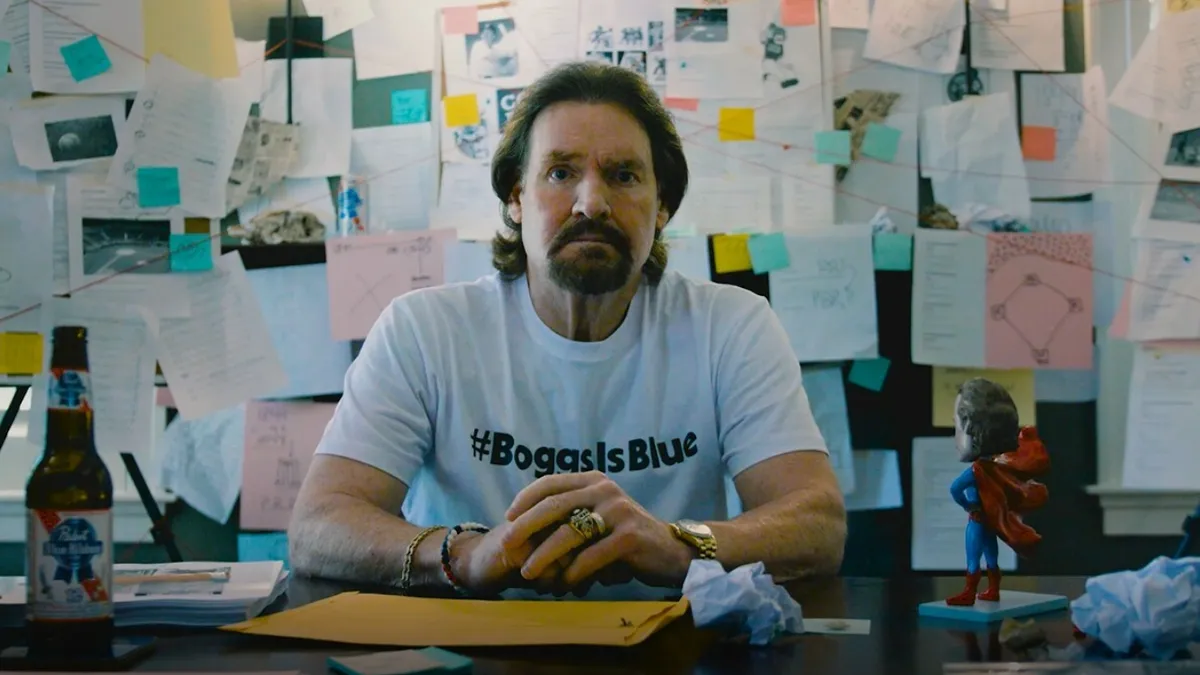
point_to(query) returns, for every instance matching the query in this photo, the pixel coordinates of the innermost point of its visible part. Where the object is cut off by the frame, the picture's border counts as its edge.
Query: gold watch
(697, 535)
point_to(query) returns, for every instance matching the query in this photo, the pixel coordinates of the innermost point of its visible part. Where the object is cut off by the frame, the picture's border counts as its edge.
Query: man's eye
(626, 177)
(559, 174)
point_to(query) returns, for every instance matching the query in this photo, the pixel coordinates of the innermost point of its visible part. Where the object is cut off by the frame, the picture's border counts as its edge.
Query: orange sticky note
(461, 110)
(460, 20)
(731, 253)
(735, 124)
(797, 12)
(682, 103)
(21, 353)
(1037, 143)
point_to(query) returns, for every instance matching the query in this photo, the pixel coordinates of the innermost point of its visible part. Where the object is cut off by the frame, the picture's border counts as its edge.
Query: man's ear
(660, 222)
(514, 205)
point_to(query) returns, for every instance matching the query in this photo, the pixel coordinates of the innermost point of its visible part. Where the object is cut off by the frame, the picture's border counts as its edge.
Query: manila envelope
(400, 621)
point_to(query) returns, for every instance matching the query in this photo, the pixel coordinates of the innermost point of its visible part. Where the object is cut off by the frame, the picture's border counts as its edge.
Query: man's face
(961, 442)
(588, 201)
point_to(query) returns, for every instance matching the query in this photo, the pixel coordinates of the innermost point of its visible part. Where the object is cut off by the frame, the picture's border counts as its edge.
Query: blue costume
(981, 542)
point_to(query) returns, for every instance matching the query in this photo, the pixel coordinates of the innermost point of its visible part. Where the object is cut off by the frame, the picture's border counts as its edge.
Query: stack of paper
(250, 588)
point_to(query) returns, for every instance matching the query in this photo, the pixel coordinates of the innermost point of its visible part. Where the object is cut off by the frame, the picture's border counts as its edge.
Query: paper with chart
(222, 354)
(367, 272)
(922, 34)
(827, 396)
(187, 121)
(949, 281)
(1039, 301)
(1025, 35)
(118, 24)
(1163, 421)
(281, 437)
(1076, 108)
(938, 523)
(826, 298)
(1164, 293)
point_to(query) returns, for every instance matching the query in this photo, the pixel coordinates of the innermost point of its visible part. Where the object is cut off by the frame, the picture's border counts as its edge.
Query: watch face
(695, 529)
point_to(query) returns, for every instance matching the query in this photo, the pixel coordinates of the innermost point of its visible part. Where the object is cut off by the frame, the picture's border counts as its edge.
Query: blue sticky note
(880, 142)
(86, 58)
(262, 546)
(870, 374)
(157, 186)
(768, 252)
(893, 251)
(191, 253)
(5, 53)
(409, 106)
(833, 147)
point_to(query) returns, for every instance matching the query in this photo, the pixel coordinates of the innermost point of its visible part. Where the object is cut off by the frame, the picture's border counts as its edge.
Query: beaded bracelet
(450, 535)
(406, 571)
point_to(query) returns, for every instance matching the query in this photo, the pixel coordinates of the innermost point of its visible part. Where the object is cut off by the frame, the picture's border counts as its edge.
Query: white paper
(714, 52)
(949, 287)
(1027, 35)
(938, 523)
(626, 32)
(689, 257)
(223, 354)
(551, 26)
(850, 14)
(202, 460)
(60, 132)
(1161, 83)
(971, 152)
(299, 327)
(400, 165)
(1076, 108)
(733, 203)
(295, 194)
(1165, 299)
(498, 55)
(322, 100)
(826, 298)
(251, 56)
(876, 482)
(466, 203)
(827, 398)
(922, 34)
(398, 41)
(120, 343)
(26, 258)
(14, 28)
(189, 121)
(54, 24)
(339, 16)
(14, 88)
(1163, 421)
(467, 261)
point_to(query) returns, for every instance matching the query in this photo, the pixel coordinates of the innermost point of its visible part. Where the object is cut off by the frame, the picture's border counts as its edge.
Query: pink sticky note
(1038, 143)
(281, 437)
(163, 398)
(797, 12)
(365, 272)
(1039, 301)
(682, 103)
(460, 20)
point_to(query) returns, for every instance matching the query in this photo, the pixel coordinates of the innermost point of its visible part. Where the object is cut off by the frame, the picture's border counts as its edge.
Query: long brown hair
(587, 82)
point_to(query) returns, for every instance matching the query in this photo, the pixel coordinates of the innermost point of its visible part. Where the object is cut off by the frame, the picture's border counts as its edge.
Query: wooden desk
(900, 642)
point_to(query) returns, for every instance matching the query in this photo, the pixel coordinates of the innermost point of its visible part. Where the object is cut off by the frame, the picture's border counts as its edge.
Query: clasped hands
(535, 547)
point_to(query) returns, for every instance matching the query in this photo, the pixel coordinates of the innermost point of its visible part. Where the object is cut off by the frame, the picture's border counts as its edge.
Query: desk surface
(899, 642)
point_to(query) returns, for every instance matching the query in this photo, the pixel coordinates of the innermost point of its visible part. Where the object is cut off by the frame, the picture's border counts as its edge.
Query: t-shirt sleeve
(385, 416)
(762, 408)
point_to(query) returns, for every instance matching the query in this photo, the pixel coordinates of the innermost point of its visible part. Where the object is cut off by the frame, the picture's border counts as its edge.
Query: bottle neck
(69, 414)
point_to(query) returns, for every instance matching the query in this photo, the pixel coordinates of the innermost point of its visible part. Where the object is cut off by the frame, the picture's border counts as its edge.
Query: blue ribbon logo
(73, 544)
(68, 389)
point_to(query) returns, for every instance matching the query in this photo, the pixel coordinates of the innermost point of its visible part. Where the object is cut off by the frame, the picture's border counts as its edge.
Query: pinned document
(86, 58)
(191, 253)
(768, 252)
(157, 186)
(409, 106)
(731, 253)
(21, 353)
(881, 142)
(461, 110)
(281, 437)
(832, 147)
(735, 124)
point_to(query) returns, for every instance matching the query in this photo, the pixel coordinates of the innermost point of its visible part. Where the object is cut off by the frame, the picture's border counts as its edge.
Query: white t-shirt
(465, 395)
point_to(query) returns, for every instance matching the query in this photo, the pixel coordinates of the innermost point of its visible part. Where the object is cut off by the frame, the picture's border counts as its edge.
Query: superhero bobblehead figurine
(998, 487)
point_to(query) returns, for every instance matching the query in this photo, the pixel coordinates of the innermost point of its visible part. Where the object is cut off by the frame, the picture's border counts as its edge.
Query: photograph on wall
(492, 53)
(1184, 149)
(627, 34)
(113, 245)
(475, 143)
(498, 54)
(84, 138)
(701, 25)
(1177, 201)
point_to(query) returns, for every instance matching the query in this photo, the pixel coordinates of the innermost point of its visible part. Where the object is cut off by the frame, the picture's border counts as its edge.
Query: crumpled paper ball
(1156, 607)
(746, 600)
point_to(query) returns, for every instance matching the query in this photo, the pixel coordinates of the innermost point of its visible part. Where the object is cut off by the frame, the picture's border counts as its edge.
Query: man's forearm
(803, 534)
(346, 539)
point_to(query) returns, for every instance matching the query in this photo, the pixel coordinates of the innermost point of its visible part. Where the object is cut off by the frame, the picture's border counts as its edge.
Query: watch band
(707, 546)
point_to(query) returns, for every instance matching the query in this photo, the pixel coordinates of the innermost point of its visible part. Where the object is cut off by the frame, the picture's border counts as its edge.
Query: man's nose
(591, 198)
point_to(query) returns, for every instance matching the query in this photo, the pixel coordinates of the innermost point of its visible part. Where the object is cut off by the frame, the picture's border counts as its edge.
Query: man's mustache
(588, 227)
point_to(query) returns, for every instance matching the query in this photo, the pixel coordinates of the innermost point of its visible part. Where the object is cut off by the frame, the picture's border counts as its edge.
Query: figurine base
(126, 653)
(1012, 604)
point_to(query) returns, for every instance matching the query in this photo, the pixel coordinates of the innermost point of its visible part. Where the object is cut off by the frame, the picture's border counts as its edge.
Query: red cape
(1007, 490)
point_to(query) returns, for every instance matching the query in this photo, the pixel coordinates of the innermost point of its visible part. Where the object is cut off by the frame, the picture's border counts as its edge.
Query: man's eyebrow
(562, 156)
(566, 157)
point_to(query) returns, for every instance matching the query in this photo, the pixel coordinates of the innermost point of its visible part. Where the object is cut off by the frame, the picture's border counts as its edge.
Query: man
(583, 404)
(997, 487)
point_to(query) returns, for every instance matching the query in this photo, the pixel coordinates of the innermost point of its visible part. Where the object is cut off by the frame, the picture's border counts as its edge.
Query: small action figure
(998, 487)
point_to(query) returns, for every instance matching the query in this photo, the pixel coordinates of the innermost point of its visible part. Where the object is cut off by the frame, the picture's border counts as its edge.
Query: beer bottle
(69, 521)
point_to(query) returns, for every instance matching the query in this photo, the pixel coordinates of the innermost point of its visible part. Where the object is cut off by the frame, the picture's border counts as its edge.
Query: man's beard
(594, 270)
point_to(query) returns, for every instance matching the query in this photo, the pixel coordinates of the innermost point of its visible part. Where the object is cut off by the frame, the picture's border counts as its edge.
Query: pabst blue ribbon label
(70, 564)
(69, 389)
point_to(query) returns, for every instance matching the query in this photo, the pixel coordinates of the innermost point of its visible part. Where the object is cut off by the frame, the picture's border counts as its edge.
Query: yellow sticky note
(731, 253)
(20, 353)
(1176, 6)
(196, 34)
(735, 124)
(1018, 383)
(461, 110)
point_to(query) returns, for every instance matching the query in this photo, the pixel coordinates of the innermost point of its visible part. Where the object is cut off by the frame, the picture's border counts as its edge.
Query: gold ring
(584, 522)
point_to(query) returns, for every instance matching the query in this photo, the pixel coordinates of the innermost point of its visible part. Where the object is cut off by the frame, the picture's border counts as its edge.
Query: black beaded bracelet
(450, 535)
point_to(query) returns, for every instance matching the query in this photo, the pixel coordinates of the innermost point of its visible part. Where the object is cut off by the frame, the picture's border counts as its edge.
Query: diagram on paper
(1039, 301)
(367, 272)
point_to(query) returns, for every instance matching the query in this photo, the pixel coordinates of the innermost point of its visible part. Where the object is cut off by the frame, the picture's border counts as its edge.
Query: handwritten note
(367, 272)
(281, 438)
(21, 353)
(946, 381)
(86, 58)
(461, 110)
(949, 282)
(1037, 143)
(409, 106)
(735, 124)
(1163, 420)
(925, 35)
